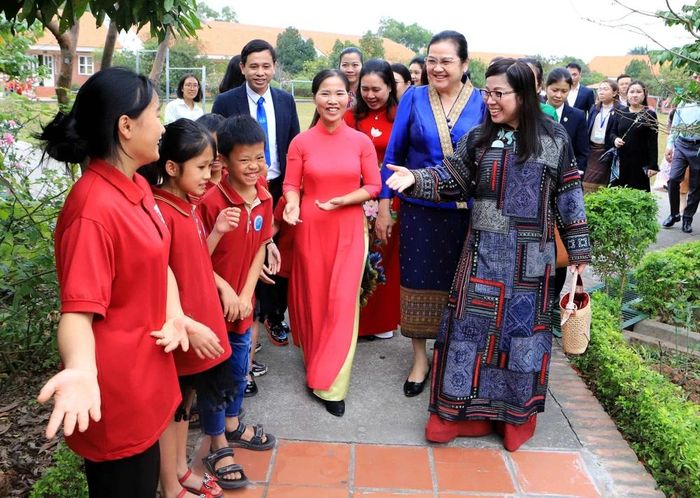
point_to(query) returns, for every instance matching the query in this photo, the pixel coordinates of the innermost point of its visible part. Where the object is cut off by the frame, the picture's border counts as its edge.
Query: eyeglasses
(191, 85)
(432, 62)
(494, 94)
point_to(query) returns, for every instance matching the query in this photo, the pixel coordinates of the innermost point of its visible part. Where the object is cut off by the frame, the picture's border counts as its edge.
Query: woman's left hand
(330, 204)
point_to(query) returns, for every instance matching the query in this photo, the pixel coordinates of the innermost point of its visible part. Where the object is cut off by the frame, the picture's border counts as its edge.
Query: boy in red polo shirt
(239, 256)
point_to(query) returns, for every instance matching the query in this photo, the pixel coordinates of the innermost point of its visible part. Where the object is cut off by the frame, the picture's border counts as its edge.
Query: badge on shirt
(258, 223)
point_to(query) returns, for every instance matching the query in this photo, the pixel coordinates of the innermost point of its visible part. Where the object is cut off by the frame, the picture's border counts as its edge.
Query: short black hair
(623, 75)
(399, 68)
(351, 50)
(181, 85)
(455, 37)
(183, 140)
(211, 121)
(241, 129)
(254, 46)
(575, 65)
(558, 74)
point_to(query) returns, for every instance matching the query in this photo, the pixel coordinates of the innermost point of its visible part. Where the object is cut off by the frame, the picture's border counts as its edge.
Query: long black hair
(233, 78)
(183, 140)
(322, 76)
(382, 69)
(91, 128)
(530, 118)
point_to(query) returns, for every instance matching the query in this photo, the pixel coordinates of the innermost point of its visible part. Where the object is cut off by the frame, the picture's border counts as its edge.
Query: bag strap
(575, 279)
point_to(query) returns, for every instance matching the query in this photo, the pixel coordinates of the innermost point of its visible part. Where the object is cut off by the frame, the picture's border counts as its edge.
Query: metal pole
(138, 61)
(204, 88)
(167, 74)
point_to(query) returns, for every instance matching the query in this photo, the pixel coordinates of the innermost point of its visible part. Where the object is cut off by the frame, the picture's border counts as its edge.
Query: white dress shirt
(274, 170)
(571, 98)
(177, 109)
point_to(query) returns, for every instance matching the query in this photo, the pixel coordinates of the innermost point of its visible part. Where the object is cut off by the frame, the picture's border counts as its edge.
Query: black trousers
(272, 299)
(135, 476)
(685, 154)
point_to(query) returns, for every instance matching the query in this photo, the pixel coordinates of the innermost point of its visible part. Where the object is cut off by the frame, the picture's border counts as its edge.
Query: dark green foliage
(668, 282)
(66, 479)
(622, 224)
(30, 200)
(372, 46)
(412, 36)
(293, 51)
(662, 427)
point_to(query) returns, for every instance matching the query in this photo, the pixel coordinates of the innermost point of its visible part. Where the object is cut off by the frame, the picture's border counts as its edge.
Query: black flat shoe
(671, 220)
(336, 408)
(411, 389)
(687, 226)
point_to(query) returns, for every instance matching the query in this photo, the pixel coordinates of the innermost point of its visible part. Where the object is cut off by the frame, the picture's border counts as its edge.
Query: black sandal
(256, 442)
(221, 473)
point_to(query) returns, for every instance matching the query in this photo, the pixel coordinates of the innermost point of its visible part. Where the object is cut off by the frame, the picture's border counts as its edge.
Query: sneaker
(258, 347)
(251, 389)
(278, 333)
(258, 369)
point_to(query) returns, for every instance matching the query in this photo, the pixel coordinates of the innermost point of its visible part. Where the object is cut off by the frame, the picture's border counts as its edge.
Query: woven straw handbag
(575, 311)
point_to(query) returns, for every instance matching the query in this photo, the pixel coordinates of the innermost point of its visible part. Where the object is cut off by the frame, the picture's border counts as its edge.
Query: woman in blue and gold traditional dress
(429, 122)
(494, 346)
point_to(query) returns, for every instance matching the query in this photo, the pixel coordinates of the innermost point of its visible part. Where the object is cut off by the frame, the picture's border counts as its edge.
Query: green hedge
(66, 479)
(662, 427)
(668, 282)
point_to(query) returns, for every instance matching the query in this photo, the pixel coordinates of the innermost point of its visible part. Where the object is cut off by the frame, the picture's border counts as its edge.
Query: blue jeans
(212, 421)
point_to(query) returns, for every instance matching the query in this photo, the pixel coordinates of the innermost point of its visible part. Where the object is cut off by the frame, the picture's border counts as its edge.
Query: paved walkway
(378, 449)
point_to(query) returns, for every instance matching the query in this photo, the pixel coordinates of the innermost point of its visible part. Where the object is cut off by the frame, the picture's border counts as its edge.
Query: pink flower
(8, 138)
(12, 123)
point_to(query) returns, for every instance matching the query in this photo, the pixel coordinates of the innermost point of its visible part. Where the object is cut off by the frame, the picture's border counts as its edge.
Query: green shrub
(622, 224)
(668, 282)
(662, 427)
(66, 479)
(30, 200)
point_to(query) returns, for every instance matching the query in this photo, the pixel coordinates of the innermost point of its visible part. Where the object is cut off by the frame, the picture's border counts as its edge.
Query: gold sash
(441, 119)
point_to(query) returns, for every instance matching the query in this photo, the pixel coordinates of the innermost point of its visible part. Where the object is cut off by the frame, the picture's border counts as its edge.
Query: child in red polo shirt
(239, 256)
(187, 151)
(119, 300)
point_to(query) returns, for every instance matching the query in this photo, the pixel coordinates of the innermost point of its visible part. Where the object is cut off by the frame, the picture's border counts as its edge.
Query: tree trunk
(159, 61)
(67, 42)
(110, 42)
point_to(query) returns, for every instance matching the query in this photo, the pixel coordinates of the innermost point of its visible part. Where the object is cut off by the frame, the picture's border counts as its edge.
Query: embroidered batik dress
(493, 349)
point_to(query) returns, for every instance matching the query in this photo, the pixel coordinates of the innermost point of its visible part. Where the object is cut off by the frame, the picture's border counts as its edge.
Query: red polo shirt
(236, 250)
(112, 257)
(191, 264)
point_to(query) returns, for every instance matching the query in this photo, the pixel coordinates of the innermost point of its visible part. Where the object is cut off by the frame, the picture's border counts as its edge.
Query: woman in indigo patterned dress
(493, 349)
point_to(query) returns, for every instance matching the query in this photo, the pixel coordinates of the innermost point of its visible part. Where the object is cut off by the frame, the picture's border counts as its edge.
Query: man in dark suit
(579, 97)
(276, 113)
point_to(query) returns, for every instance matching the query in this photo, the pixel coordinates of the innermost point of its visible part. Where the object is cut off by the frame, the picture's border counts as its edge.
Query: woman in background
(233, 78)
(189, 93)
(374, 116)
(350, 65)
(402, 78)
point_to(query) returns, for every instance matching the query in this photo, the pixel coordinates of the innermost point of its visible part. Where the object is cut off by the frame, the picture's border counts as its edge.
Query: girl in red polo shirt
(187, 151)
(119, 300)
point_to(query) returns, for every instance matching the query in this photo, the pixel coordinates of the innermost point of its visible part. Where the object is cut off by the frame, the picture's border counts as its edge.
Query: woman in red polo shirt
(119, 301)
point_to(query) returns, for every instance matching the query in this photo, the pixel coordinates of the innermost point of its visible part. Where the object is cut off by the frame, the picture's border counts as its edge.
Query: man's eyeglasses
(494, 94)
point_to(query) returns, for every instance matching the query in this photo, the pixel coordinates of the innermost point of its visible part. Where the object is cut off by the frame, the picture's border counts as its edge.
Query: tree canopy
(161, 15)
(293, 51)
(412, 36)
(372, 46)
